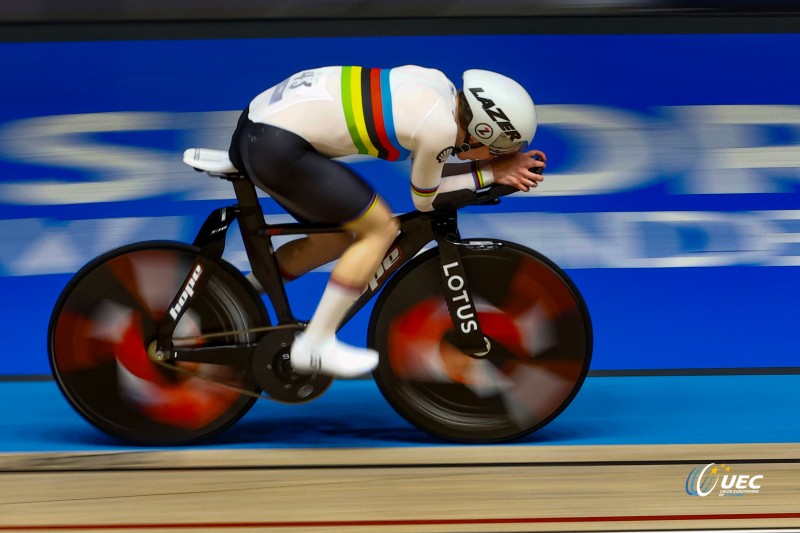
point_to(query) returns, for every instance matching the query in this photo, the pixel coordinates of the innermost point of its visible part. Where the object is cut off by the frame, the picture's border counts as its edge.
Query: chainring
(273, 371)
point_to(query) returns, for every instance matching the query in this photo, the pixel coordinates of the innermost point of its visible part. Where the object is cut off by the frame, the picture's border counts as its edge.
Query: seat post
(258, 246)
(245, 192)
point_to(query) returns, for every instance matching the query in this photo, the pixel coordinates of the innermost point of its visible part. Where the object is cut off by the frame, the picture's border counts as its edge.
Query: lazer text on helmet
(496, 114)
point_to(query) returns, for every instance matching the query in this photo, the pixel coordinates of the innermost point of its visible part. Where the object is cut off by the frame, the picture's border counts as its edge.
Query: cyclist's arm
(473, 175)
(436, 132)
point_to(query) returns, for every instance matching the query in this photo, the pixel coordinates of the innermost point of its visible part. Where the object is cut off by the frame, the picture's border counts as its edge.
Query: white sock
(318, 350)
(336, 301)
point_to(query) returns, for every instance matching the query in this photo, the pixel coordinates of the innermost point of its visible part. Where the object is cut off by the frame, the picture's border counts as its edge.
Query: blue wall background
(671, 193)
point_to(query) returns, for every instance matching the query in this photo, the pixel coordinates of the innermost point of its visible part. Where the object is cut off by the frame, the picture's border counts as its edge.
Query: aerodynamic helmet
(503, 114)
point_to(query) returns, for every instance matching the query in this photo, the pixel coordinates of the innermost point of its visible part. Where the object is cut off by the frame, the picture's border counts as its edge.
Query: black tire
(106, 317)
(541, 346)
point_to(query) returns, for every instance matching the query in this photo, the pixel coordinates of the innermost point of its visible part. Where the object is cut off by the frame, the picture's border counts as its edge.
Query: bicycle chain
(178, 341)
(261, 329)
(176, 368)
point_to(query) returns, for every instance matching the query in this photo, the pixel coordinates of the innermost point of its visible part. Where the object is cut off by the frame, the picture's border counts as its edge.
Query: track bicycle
(166, 343)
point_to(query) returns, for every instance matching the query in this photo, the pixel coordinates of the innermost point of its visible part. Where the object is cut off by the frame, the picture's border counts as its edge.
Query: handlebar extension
(491, 195)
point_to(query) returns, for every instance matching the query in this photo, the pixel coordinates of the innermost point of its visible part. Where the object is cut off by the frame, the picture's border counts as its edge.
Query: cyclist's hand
(515, 169)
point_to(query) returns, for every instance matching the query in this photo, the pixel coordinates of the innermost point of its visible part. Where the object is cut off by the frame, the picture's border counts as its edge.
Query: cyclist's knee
(376, 221)
(385, 227)
(392, 228)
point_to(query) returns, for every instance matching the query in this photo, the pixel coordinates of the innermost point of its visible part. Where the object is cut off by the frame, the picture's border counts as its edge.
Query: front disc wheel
(538, 330)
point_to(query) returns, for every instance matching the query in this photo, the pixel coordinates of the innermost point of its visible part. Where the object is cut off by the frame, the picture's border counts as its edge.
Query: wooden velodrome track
(444, 489)
(327, 485)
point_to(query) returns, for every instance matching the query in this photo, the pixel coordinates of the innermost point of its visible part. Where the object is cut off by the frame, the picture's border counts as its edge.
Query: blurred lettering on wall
(671, 195)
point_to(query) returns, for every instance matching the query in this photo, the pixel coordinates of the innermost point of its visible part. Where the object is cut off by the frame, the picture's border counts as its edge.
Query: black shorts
(309, 185)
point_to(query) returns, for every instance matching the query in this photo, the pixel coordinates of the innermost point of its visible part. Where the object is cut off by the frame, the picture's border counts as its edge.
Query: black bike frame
(417, 229)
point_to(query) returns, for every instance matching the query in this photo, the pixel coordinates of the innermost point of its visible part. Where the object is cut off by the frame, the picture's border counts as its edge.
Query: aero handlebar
(463, 198)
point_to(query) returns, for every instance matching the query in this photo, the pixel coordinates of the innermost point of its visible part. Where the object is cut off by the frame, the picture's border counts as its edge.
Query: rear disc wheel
(108, 316)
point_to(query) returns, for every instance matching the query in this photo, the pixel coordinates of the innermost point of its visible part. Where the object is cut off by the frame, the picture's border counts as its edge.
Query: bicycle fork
(460, 301)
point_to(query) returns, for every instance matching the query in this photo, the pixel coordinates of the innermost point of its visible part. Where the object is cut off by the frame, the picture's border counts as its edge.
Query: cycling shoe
(331, 357)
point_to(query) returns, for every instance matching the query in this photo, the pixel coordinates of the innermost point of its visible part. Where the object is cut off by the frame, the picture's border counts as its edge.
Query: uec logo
(702, 481)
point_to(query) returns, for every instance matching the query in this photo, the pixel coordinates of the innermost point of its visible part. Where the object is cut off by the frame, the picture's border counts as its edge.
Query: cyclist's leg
(299, 256)
(374, 230)
(312, 187)
(303, 255)
(366, 239)
(317, 348)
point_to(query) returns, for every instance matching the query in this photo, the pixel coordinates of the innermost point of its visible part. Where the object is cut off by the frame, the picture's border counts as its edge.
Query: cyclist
(286, 141)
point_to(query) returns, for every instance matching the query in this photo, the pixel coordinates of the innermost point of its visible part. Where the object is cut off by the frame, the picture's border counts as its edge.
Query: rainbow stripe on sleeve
(424, 193)
(367, 103)
(477, 175)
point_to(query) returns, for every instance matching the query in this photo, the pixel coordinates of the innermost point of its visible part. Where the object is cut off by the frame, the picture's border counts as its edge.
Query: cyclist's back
(385, 113)
(391, 114)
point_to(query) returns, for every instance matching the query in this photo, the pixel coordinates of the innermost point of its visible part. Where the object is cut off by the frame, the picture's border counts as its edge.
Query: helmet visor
(503, 145)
